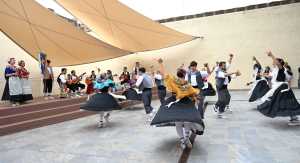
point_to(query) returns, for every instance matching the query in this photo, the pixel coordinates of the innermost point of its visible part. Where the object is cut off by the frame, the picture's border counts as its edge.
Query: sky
(161, 9)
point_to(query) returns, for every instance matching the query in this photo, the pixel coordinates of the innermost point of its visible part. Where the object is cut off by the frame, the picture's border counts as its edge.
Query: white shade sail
(120, 26)
(37, 29)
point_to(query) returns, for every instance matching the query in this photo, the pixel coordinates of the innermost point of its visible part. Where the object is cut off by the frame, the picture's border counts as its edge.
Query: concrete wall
(245, 34)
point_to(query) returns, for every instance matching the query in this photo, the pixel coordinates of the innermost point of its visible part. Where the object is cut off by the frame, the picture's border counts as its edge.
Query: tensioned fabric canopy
(37, 29)
(122, 27)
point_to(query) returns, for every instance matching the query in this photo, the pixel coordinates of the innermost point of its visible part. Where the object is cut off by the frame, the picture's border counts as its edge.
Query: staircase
(43, 113)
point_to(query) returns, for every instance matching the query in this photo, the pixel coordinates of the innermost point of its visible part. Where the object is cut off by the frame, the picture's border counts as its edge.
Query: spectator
(47, 79)
(23, 74)
(62, 82)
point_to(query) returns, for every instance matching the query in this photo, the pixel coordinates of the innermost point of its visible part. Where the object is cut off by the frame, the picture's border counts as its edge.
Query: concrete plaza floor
(245, 136)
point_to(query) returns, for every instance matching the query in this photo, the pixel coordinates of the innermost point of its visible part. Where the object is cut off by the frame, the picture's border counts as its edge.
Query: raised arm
(161, 67)
(270, 54)
(237, 73)
(209, 71)
(230, 58)
(256, 61)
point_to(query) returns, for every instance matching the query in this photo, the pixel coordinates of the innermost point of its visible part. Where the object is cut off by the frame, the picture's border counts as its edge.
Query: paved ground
(244, 137)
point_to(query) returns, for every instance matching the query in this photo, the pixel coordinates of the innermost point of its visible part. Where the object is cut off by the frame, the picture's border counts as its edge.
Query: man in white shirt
(222, 80)
(145, 84)
(194, 77)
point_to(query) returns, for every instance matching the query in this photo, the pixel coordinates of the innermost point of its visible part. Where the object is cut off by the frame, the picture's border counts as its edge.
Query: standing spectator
(136, 68)
(13, 90)
(23, 74)
(47, 79)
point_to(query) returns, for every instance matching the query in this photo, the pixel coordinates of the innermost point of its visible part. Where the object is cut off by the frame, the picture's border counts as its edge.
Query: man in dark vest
(194, 77)
(223, 78)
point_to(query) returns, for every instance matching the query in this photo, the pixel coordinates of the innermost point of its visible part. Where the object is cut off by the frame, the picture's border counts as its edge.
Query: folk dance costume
(259, 89)
(161, 89)
(222, 80)
(90, 85)
(280, 101)
(260, 85)
(180, 110)
(13, 87)
(133, 94)
(103, 102)
(196, 81)
(25, 84)
(208, 89)
(144, 83)
(89, 81)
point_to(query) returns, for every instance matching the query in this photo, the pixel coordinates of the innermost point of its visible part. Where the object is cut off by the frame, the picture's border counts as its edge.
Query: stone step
(43, 121)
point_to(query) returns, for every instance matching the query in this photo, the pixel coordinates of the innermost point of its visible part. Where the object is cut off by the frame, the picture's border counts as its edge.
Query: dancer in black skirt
(180, 108)
(280, 100)
(194, 77)
(223, 78)
(207, 89)
(132, 93)
(103, 102)
(260, 84)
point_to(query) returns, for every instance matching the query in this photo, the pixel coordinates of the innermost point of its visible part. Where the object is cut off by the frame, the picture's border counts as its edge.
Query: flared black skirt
(131, 94)
(101, 102)
(209, 91)
(5, 95)
(281, 103)
(182, 111)
(260, 89)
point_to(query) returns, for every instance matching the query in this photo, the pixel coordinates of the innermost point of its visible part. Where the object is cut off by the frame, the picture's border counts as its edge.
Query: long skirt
(15, 89)
(26, 89)
(5, 95)
(181, 111)
(90, 89)
(224, 98)
(208, 90)
(101, 102)
(259, 89)
(281, 103)
(132, 94)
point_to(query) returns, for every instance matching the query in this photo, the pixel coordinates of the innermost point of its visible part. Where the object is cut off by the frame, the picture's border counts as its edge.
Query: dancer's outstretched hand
(160, 61)
(269, 53)
(238, 73)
